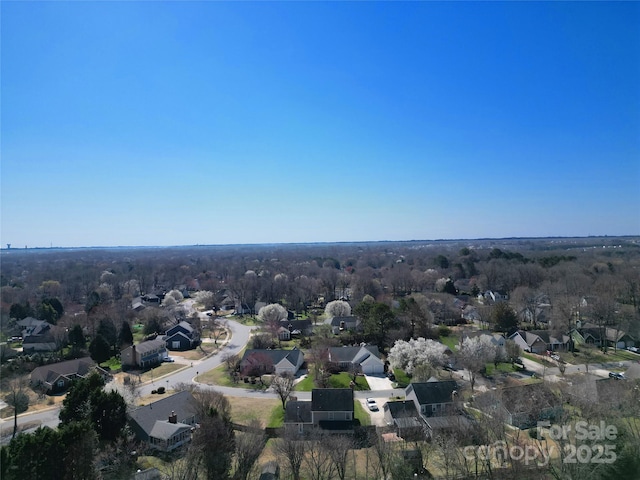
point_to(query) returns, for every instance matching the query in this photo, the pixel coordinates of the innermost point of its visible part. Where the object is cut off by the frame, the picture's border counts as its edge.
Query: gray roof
(181, 403)
(150, 345)
(298, 411)
(49, 373)
(276, 356)
(164, 430)
(335, 321)
(176, 328)
(433, 392)
(402, 409)
(332, 400)
(347, 354)
(296, 324)
(450, 421)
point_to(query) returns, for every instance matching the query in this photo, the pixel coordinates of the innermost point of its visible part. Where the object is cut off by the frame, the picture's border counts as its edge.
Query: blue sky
(180, 123)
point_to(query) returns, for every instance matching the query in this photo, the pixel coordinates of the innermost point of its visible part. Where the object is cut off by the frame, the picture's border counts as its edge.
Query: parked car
(556, 357)
(633, 349)
(372, 405)
(616, 375)
(168, 359)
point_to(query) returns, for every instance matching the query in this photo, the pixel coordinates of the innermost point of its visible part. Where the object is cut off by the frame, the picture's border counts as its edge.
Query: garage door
(371, 369)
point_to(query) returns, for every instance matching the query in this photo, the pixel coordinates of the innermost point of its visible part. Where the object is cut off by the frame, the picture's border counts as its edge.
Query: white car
(168, 359)
(372, 405)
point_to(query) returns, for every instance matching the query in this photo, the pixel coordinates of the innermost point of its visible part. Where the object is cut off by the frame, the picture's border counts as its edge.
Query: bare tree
(283, 385)
(17, 398)
(249, 446)
(338, 447)
(318, 459)
(214, 440)
(293, 449)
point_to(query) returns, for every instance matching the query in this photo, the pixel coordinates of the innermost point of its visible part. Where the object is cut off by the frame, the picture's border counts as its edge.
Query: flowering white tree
(272, 313)
(416, 352)
(474, 354)
(205, 298)
(337, 308)
(176, 294)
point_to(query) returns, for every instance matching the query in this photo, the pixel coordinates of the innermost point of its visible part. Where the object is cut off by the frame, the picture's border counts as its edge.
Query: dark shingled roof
(49, 373)
(150, 345)
(297, 412)
(347, 354)
(335, 321)
(433, 392)
(275, 355)
(332, 400)
(402, 409)
(182, 403)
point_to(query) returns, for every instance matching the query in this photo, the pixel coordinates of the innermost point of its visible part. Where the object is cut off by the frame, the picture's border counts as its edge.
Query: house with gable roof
(539, 341)
(182, 337)
(521, 406)
(339, 324)
(405, 419)
(433, 398)
(330, 410)
(145, 354)
(58, 377)
(365, 359)
(264, 361)
(166, 424)
(294, 328)
(438, 406)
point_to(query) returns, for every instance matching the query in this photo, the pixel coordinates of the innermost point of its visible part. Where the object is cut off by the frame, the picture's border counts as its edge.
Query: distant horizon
(426, 240)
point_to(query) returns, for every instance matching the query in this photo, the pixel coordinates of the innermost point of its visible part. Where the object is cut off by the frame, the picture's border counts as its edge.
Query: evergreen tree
(126, 335)
(100, 349)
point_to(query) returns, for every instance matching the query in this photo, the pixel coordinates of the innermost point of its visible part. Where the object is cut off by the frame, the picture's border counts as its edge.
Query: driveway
(379, 382)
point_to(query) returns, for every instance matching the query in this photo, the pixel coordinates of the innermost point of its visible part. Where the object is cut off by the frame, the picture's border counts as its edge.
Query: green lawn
(451, 342)
(219, 376)
(276, 419)
(340, 380)
(402, 379)
(113, 363)
(491, 369)
(361, 414)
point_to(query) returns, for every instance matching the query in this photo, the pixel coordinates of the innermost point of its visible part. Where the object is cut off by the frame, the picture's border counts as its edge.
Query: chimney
(173, 418)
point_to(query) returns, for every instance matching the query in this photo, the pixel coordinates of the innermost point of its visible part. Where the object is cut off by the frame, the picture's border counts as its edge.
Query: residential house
(166, 424)
(615, 337)
(521, 406)
(363, 359)
(137, 305)
(339, 324)
(539, 341)
(58, 377)
(28, 324)
(433, 398)
(593, 392)
(438, 405)
(39, 338)
(330, 409)
(294, 328)
(145, 354)
(405, 419)
(262, 361)
(182, 337)
(491, 297)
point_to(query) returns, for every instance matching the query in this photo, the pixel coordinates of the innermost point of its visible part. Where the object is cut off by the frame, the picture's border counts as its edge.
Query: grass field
(340, 380)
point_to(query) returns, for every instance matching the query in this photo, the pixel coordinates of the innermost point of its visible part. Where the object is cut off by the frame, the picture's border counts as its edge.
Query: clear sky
(181, 123)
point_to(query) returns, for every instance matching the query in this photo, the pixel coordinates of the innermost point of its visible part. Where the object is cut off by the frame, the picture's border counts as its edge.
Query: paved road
(239, 337)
